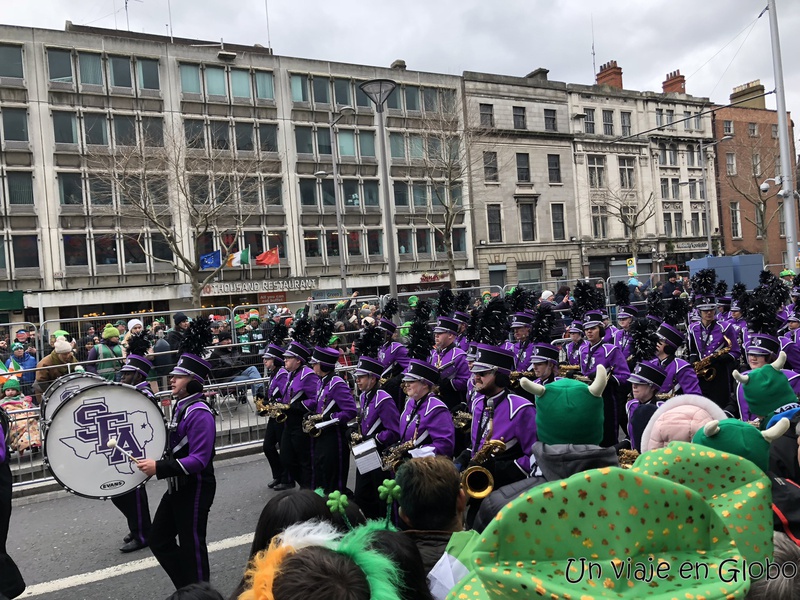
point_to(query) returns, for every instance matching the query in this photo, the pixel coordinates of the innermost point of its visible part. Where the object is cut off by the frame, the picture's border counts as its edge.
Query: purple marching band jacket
(192, 432)
(473, 396)
(391, 354)
(380, 418)
(301, 392)
(522, 355)
(574, 350)
(704, 341)
(144, 387)
(622, 340)
(514, 422)
(334, 400)
(453, 373)
(276, 390)
(428, 422)
(607, 355)
(681, 377)
(744, 409)
(790, 344)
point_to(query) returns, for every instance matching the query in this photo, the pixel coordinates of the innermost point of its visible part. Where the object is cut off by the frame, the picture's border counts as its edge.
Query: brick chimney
(610, 74)
(675, 83)
(749, 94)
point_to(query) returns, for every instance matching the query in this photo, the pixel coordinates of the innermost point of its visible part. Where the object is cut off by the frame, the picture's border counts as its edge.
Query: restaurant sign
(290, 284)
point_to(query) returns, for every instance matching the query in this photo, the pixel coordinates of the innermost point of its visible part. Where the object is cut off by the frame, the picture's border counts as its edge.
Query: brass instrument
(703, 366)
(309, 422)
(275, 410)
(517, 375)
(393, 456)
(261, 406)
(568, 370)
(355, 435)
(627, 458)
(478, 481)
(462, 420)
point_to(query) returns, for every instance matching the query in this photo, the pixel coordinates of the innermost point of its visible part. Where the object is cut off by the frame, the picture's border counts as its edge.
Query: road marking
(48, 587)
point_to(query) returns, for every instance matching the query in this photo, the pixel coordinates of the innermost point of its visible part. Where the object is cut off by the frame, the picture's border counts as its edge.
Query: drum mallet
(112, 443)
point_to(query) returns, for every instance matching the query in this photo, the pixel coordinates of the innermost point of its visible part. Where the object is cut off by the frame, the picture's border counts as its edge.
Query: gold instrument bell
(477, 480)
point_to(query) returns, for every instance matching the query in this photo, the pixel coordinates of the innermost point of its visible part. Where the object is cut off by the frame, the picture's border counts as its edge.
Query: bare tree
(189, 195)
(628, 208)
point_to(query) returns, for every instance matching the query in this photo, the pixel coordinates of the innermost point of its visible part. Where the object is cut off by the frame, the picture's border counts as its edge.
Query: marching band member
(646, 381)
(573, 348)
(790, 341)
(680, 376)
(392, 354)
(622, 337)
(276, 392)
(544, 363)
(521, 328)
(378, 419)
(451, 363)
(761, 349)
(425, 420)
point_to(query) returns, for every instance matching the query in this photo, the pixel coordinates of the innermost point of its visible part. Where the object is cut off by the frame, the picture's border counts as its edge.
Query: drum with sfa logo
(76, 443)
(63, 387)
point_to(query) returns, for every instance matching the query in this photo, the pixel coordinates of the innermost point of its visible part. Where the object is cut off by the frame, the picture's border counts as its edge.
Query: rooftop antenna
(127, 19)
(169, 26)
(269, 40)
(594, 64)
(115, 14)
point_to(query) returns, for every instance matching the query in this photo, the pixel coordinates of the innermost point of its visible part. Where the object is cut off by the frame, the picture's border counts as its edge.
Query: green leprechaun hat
(604, 533)
(734, 487)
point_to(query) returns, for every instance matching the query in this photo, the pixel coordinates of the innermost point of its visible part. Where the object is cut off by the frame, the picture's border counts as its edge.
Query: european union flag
(212, 260)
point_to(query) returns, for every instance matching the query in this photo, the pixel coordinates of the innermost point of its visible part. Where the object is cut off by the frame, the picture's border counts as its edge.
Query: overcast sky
(716, 44)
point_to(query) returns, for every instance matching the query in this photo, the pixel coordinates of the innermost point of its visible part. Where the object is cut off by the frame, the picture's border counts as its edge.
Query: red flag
(270, 257)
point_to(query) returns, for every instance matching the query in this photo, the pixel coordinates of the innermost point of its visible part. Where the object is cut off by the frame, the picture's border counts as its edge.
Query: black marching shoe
(283, 486)
(273, 483)
(133, 546)
(127, 538)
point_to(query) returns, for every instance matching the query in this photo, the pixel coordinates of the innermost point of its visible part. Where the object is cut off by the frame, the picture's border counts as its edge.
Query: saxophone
(393, 456)
(517, 375)
(477, 480)
(703, 366)
(309, 425)
(462, 420)
(355, 436)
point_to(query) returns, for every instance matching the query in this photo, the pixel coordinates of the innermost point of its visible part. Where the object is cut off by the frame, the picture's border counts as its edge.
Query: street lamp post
(378, 90)
(345, 111)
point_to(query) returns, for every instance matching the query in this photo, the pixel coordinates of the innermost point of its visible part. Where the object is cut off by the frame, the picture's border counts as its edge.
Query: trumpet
(309, 425)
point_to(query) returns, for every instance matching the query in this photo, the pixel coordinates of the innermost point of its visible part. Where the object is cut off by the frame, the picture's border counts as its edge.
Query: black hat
(446, 325)
(274, 352)
(627, 312)
(461, 316)
(134, 362)
(670, 335)
(544, 353)
(193, 366)
(420, 370)
(297, 350)
(387, 325)
(648, 374)
(368, 366)
(593, 318)
(763, 344)
(521, 319)
(472, 351)
(179, 318)
(327, 357)
(705, 303)
(493, 357)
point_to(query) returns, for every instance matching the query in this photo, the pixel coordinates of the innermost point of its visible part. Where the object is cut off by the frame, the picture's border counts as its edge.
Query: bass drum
(63, 387)
(77, 434)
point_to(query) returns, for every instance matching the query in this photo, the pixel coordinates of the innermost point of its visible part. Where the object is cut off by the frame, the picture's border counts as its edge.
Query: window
(240, 84)
(351, 195)
(736, 228)
(430, 99)
(133, 247)
(153, 131)
(625, 120)
(125, 130)
(412, 98)
(672, 154)
(322, 90)
(371, 193)
(760, 220)
(554, 168)
(366, 141)
(277, 240)
(557, 218)
(393, 100)
(659, 117)
(324, 140)
(490, 172)
(519, 118)
(347, 143)
(374, 242)
(628, 218)
(59, 63)
(11, 61)
(20, 187)
(668, 224)
(76, 253)
(438, 243)
(190, 79)
(195, 137)
(100, 191)
(727, 127)
(730, 163)
(15, 125)
(308, 192)
(341, 92)
(361, 98)
(105, 249)
(416, 147)
(328, 192)
(487, 115)
(354, 243)
(90, 69)
(397, 145)
(148, 74)
(459, 236)
(120, 71)
(69, 188)
(627, 177)
(311, 244)
(494, 220)
(400, 193)
(597, 171)
(664, 187)
(65, 128)
(599, 222)
(550, 120)
(434, 149)
(220, 135)
(268, 136)
(527, 220)
(756, 165)
(423, 240)
(523, 167)
(695, 224)
(215, 81)
(752, 129)
(692, 189)
(774, 131)
(404, 241)
(95, 125)
(273, 195)
(265, 86)
(26, 251)
(781, 220)
(244, 137)
(662, 154)
(588, 122)
(698, 121)
(332, 243)
(670, 118)
(702, 189)
(608, 122)
(676, 188)
(420, 192)
(687, 120)
(690, 159)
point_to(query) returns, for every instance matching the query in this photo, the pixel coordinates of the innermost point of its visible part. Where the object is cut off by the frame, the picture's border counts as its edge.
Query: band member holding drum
(188, 467)
(378, 419)
(134, 504)
(426, 421)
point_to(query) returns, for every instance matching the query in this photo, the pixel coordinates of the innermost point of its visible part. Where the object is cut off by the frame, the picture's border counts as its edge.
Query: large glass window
(20, 187)
(26, 251)
(69, 187)
(495, 223)
(597, 171)
(366, 140)
(190, 79)
(272, 192)
(255, 241)
(90, 67)
(120, 71)
(125, 130)
(11, 61)
(195, 137)
(328, 193)
(308, 192)
(420, 193)
(627, 172)
(430, 99)
(153, 131)
(354, 243)
(459, 239)
(347, 143)
(299, 88)
(220, 135)
(322, 90)
(96, 129)
(375, 242)
(324, 140)
(397, 145)
(304, 138)
(351, 195)
(269, 137)
(404, 241)
(277, 239)
(148, 74)
(423, 240)
(244, 137)
(265, 86)
(312, 243)
(65, 127)
(215, 81)
(59, 63)
(133, 246)
(15, 124)
(393, 101)
(341, 92)
(161, 250)
(557, 214)
(100, 191)
(240, 84)
(416, 147)
(400, 193)
(412, 98)
(371, 193)
(332, 242)
(527, 220)
(361, 98)
(105, 249)
(76, 253)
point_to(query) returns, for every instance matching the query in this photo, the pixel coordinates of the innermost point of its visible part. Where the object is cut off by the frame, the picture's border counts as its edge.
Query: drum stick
(112, 443)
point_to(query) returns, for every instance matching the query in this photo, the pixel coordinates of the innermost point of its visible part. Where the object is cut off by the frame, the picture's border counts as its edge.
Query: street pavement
(68, 547)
